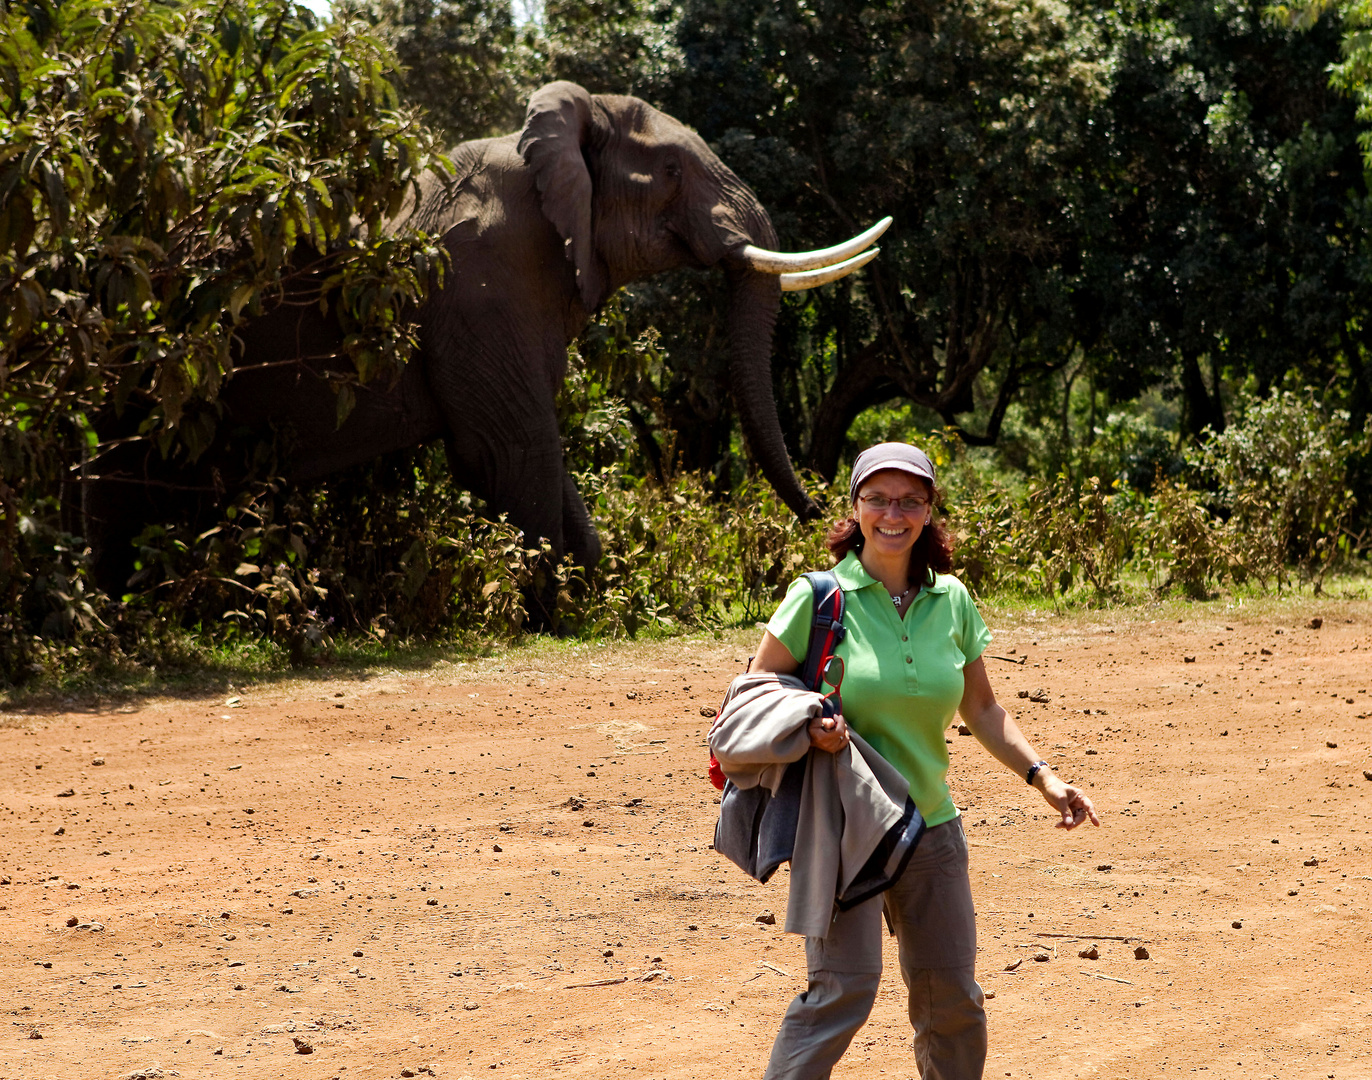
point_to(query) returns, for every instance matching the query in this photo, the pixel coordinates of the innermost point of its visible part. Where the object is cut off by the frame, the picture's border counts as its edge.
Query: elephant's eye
(673, 170)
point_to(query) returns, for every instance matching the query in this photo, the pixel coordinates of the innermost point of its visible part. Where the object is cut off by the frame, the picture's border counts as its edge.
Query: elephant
(541, 227)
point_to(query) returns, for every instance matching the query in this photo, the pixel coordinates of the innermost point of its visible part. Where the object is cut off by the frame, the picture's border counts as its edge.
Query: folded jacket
(846, 820)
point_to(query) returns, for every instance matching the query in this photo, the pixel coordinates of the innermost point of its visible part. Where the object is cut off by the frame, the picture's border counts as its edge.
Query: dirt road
(503, 869)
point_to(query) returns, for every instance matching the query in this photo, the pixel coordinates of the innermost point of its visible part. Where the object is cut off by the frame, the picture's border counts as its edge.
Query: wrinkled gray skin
(542, 226)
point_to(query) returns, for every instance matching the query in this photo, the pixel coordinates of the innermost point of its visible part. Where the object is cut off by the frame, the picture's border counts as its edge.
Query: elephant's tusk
(808, 279)
(781, 262)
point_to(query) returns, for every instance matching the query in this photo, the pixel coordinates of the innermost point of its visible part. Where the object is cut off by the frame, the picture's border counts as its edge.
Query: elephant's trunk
(753, 303)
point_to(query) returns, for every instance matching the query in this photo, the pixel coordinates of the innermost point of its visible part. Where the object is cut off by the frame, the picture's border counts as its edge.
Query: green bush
(1280, 478)
(393, 550)
(163, 167)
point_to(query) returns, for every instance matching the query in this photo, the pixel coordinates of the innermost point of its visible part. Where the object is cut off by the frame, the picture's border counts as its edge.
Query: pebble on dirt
(1140, 953)
(1236, 924)
(766, 917)
(1315, 623)
(1092, 953)
(302, 1046)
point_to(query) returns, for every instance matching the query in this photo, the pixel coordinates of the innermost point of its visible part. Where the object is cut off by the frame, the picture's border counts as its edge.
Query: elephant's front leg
(522, 480)
(504, 444)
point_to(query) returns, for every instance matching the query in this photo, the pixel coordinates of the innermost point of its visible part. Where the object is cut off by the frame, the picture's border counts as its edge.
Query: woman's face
(892, 531)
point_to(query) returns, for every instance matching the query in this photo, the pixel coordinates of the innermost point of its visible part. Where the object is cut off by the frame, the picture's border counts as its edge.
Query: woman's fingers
(829, 734)
(1075, 808)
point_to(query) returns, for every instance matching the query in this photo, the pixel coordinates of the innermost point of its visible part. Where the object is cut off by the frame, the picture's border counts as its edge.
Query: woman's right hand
(828, 733)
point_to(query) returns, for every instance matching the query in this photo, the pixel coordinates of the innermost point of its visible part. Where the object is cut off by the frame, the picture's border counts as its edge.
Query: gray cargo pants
(930, 909)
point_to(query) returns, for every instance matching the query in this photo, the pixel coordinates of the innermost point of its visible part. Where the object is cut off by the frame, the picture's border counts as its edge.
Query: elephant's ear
(557, 125)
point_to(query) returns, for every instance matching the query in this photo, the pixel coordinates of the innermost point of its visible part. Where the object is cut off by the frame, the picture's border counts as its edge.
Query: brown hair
(932, 553)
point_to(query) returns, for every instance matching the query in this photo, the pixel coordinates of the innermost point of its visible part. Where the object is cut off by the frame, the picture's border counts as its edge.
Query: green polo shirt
(902, 678)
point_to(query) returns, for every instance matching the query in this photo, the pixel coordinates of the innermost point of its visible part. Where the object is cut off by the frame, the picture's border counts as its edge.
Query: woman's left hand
(828, 733)
(1067, 799)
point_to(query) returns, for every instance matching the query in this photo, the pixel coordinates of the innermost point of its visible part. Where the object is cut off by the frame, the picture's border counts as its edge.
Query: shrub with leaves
(164, 167)
(1281, 479)
(1180, 542)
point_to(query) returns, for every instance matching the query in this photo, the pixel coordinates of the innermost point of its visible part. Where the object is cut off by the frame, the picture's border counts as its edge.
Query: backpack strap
(826, 625)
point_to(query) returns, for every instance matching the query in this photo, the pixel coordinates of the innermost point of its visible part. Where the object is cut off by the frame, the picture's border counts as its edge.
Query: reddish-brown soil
(424, 870)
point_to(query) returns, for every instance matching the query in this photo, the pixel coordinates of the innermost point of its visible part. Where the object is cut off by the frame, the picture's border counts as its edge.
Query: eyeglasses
(908, 505)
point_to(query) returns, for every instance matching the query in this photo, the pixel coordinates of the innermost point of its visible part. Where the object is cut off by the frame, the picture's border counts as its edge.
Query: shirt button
(909, 659)
(905, 639)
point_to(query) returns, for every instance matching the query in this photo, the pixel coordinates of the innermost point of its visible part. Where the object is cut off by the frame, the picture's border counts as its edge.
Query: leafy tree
(1237, 207)
(164, 168)
(967, 123)
(462, 61)
(471, 64)
(608, 46)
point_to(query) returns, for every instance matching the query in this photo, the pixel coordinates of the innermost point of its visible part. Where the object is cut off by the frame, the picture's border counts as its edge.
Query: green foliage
(676, 557)
(1182, 543)
(1115, 225)
(471, 65)
(422, 560)
(164, 168)
(162, 164)
(1271, 494)
(462, 61)
(608, 409)
(1281, 478)
(1353, 73)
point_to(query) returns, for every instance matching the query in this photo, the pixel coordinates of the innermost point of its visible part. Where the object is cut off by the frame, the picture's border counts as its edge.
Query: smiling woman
(911, 658)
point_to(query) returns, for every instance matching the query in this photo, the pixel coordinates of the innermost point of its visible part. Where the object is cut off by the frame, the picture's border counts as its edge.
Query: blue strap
(826, 625)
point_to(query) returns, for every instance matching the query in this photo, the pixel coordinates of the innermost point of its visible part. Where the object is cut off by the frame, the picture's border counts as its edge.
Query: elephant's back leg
(287, 354)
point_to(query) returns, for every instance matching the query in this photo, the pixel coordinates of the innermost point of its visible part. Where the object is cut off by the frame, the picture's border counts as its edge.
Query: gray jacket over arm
(855, 824)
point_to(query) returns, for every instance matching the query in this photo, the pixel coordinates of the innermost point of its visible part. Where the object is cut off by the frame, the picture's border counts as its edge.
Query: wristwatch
(1033, 771)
